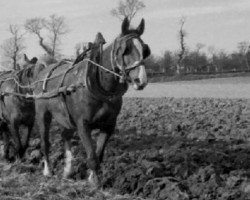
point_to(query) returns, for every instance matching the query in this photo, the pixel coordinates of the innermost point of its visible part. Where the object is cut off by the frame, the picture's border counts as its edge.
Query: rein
(102, 67)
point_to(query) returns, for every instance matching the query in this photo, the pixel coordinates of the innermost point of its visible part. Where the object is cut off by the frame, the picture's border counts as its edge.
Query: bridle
(124, 70)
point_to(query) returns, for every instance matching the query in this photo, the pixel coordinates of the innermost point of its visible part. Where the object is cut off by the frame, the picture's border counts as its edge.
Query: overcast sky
(220, 23)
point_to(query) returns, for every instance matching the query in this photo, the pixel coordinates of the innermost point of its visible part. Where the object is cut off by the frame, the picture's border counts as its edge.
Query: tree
(213, 59)
(195, 62)
(55, 27)
(197, 56)
(127, 8)
(199, 46)
(80, 47)
(152, 65)
(244, 50)
(13, 47)
(221, 60)
(167, 63)
(181, 55)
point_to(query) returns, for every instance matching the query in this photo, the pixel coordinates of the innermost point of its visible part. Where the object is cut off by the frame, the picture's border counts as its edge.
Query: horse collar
(94, 87)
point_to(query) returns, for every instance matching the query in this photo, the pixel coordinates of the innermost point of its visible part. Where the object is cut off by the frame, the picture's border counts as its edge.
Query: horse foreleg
(6, 148)
(101, 143)
(92, 161)
(14, 128)
(27, 139)
(6, 140)
(43, 121)
(67, 135)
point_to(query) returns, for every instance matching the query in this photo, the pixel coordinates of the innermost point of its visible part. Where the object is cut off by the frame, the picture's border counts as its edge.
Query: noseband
(123, 69)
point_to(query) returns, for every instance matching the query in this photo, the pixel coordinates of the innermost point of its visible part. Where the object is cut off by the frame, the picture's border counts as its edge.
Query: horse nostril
(137, 80)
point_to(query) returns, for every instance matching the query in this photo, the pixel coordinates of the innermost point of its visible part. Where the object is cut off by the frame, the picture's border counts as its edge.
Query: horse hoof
(93, 179)
(46, 169)
(47, 174)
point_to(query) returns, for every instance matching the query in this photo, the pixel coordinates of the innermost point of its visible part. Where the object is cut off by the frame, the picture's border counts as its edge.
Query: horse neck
(24, 80)
(107, 80)
(36, 70)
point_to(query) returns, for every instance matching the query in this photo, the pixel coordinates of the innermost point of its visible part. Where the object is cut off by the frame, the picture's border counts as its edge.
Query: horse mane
(81, 56)
(93, 47)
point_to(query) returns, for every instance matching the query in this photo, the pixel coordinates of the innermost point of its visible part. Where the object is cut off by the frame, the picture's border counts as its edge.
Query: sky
(218, 23)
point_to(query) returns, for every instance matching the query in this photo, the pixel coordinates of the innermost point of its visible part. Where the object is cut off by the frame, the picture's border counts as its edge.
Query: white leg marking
(46, 170)
(91, 176)
(68, 163)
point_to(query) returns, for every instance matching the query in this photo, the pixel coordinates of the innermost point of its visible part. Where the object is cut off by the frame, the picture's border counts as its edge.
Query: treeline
(50, 31)
(199, 62)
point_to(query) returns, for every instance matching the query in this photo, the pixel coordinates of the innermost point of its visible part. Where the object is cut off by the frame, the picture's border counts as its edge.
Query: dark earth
(165, 148)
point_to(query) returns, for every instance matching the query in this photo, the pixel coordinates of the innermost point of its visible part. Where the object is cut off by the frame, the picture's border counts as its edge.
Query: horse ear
(25, 58)
(125, 26)
(140, 28)
(99, 39)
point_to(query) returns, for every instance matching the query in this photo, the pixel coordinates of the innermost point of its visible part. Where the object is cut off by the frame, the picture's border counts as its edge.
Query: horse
(15, 108)
(100, 80)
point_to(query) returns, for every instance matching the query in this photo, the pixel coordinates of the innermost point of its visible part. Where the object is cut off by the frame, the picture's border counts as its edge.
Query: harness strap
(50, 73)
(47, 95)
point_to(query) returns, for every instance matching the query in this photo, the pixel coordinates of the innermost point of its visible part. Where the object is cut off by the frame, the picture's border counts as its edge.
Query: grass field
(234, 87)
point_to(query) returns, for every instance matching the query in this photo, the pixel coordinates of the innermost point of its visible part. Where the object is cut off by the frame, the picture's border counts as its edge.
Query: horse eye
(146, 51)
(29, 73)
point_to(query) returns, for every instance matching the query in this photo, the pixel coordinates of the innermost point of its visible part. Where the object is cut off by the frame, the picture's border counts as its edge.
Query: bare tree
(244, 50)
(13, 47)
(54, 28)
(199, 46)
(213, 58)
(80, 47)
(181, 55)
(127, 8)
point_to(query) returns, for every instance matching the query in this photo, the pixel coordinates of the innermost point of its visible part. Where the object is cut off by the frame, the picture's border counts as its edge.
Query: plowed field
(164, 148)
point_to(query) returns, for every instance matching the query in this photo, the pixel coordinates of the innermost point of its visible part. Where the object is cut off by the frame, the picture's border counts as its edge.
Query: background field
(234, 87)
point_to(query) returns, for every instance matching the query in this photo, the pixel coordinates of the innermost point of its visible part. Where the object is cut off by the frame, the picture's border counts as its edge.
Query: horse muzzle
(141, 81)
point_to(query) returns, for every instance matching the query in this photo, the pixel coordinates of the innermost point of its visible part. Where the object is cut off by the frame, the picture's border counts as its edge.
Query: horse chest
(102, 113)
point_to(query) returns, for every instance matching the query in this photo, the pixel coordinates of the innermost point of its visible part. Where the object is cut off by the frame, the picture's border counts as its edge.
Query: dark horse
(96, 101)
(15, 109)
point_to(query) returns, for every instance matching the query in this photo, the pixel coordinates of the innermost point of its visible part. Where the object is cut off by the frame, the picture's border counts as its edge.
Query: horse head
(128, 55)
(31, 68)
